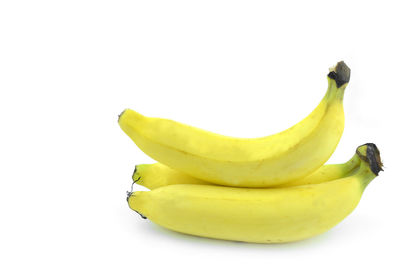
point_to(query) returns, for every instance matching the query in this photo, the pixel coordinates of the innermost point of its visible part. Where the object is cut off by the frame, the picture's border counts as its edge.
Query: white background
(240, 68)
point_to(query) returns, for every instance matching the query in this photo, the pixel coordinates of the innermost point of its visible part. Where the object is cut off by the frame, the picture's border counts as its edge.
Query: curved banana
(257, 215)
(246, 162)
(157, 175)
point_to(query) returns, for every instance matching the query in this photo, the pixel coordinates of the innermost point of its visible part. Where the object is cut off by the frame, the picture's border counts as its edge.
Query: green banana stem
(352, 166)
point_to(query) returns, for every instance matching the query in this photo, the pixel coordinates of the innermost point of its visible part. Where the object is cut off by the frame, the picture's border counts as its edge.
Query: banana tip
(372, 156)
(119, 116)
(128, 195)
(340, 73)
(134, 173)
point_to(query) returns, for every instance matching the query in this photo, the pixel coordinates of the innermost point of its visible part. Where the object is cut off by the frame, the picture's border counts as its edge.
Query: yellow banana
(246, 162)
(157, 175)
(270, 215)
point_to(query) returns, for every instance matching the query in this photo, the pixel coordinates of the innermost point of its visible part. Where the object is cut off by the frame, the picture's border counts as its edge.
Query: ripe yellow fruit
(246, 162)
(270, 215)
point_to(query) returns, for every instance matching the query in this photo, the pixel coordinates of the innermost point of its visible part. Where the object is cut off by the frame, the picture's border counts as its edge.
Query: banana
(269, 215)
(157, 175)
(246, 162)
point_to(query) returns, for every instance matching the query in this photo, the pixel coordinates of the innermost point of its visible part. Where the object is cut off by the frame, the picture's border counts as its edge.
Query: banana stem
(369, 153)
(340, 73)
(371, 163)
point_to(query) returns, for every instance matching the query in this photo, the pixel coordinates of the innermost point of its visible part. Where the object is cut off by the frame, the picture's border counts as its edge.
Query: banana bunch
(264, 190)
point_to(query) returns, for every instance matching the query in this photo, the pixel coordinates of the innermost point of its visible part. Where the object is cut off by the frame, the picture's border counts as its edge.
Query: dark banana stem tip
(373, 158)
(341, 74)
